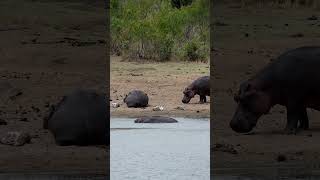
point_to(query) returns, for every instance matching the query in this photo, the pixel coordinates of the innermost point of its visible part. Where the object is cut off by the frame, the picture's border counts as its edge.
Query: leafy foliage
(145, 29)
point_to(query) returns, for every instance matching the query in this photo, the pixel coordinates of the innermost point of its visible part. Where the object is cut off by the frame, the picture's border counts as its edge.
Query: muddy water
(177, 151)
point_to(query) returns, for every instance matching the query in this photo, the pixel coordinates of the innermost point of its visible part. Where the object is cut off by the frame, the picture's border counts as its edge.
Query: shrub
(145, 29)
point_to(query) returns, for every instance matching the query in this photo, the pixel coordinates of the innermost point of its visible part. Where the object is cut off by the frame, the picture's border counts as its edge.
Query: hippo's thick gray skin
(200, 86)
(292, 80)
(136, 98)
(82, 118)
(155, 119)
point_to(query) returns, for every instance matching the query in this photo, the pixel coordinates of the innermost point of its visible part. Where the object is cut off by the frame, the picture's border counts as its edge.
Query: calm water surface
(174, 151)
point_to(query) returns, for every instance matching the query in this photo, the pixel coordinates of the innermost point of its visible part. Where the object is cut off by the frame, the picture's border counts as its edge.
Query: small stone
(16, 138)
(115, 105)
(133, 74)
(228, 148)
(180, 108)
(158, 108)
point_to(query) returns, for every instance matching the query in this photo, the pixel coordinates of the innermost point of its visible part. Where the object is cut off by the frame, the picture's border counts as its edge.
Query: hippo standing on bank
(200, 86)
(155, 119)
(292, 80)
(136, 98)
(81, 118)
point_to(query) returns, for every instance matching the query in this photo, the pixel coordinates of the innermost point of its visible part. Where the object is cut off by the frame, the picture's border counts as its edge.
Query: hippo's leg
(304, 120)
(203, 99)
(294, 111)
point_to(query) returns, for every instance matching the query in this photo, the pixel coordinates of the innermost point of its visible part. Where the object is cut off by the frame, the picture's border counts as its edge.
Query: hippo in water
(81, 118)
(200, 86)
(292, 80)
(155, 119)
(136, 98)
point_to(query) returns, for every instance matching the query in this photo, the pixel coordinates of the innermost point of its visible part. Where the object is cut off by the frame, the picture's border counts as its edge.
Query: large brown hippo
(136, 99)
(200, 86)
(81, 118)
(292, 80)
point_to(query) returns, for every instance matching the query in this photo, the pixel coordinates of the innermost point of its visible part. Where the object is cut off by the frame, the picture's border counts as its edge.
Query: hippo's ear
(192, 93)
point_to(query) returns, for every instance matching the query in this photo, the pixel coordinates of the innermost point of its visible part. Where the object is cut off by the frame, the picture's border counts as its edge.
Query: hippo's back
(81, 118)
(201, 84)
(298, 67)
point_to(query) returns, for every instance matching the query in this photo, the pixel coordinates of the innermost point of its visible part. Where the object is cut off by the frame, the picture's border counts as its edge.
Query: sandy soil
(236, 57)
(164, 84)
(47, 49)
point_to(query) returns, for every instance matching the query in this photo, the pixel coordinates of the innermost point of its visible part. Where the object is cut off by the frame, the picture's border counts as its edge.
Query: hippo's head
(188, 95)
(252, 103)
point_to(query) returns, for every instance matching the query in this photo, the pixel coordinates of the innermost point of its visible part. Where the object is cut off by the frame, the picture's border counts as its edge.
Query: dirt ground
(163, 82)
(47, 49)
(245, 40)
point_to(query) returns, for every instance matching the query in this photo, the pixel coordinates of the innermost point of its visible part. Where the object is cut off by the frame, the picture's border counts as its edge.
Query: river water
(173, 151)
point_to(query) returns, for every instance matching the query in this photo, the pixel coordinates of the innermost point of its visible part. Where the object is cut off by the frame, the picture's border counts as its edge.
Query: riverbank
(163, 82)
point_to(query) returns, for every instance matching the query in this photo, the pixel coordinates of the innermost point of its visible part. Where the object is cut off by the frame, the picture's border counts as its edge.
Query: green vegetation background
(158, 30)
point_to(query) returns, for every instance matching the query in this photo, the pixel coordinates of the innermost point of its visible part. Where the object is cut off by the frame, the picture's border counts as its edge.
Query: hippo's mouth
(186, 100)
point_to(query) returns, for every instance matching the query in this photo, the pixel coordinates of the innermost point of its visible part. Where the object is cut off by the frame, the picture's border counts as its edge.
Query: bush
(194, 51)
(145, 29)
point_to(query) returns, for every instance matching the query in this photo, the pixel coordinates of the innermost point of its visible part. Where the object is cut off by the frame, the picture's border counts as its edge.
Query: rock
(133, 74)
(158, 108)
(225, 148)
(8, 92)
(180, 108)
(115, 105)
(16, 138)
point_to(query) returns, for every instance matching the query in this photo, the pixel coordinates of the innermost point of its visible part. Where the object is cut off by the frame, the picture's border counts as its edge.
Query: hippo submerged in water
(292, 80)
(136, 98)
(155, 119)
(81, 118)
(200, 86)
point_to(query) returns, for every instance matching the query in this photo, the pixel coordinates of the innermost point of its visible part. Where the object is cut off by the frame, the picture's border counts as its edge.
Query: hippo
(81, 118)
(136, 98)
(291, 80)
(200, 86)
(155, 119)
